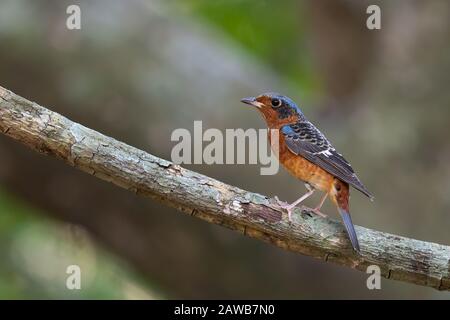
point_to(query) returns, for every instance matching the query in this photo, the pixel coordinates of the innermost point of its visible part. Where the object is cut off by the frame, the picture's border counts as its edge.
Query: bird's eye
(276, 102)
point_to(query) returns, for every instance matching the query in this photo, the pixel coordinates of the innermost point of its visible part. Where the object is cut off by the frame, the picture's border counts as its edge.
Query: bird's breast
(302, 168)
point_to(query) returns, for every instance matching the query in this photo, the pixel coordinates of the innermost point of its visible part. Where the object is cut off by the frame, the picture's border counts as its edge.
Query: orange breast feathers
(302, 168)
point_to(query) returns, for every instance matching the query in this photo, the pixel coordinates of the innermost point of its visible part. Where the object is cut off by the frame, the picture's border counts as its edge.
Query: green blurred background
(139, 69)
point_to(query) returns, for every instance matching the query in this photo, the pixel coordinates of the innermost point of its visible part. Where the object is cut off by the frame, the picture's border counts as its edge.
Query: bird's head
(277, 109)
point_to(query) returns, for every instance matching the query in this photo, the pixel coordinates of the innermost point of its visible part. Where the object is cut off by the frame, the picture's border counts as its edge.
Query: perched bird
(307, 154)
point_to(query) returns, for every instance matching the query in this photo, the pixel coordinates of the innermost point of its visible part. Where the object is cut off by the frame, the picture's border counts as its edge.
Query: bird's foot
(290, 208)
(320, 214)
(281, 203)
(286, 206)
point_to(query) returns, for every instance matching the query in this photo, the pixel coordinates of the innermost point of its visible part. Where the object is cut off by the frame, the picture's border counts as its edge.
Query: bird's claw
(285, 206)
(282, 204)
(320, 214)
(290, 208)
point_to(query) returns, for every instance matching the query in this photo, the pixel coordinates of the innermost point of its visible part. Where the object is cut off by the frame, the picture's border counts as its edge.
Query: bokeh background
(139, 69)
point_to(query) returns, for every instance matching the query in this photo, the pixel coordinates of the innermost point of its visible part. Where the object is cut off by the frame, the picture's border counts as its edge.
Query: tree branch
(249, 213)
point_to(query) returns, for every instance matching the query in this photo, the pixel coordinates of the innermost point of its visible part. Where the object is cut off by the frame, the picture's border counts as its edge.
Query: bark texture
(251, 214)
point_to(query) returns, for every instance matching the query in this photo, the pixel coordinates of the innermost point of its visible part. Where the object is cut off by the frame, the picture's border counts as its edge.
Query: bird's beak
(252, 101)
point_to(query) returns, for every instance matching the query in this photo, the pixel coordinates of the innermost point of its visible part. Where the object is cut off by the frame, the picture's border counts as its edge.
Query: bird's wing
(304, 139)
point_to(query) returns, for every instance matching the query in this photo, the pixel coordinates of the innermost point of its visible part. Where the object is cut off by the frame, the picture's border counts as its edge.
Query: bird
(308, 155)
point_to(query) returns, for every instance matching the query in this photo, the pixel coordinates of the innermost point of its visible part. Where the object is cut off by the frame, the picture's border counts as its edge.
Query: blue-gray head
(277, 109)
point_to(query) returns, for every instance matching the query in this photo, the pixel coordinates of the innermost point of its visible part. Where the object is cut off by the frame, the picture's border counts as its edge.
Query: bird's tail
(340, 196)
(347, 219)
